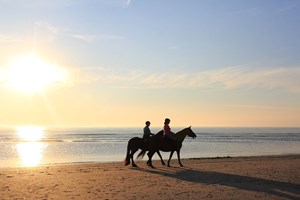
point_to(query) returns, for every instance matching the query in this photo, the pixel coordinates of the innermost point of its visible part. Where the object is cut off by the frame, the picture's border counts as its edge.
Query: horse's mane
(160, 133)
(182, 130)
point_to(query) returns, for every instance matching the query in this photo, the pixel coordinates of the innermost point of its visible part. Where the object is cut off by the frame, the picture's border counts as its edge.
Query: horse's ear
(190, 127)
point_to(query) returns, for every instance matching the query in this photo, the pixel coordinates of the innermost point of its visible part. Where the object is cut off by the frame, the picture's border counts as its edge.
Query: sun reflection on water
(31, 150)
(31, 153)
(30, 133)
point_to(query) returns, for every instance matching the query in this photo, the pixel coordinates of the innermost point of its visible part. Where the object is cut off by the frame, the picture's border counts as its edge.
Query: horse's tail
(141, 154)
(127, 159)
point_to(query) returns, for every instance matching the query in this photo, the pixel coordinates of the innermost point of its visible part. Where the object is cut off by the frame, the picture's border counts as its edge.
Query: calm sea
(33, 146)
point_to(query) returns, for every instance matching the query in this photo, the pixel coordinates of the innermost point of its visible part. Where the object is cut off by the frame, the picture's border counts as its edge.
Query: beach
(261, 177)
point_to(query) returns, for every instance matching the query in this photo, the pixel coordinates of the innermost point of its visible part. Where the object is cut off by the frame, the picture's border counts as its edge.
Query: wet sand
(265, 177)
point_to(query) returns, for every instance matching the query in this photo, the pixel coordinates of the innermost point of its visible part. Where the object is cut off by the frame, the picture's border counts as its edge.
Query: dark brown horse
(158, 143)
(134, 144)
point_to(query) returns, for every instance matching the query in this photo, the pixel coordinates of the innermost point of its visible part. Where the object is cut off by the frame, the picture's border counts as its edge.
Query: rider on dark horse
(168, 134)
(147, 133)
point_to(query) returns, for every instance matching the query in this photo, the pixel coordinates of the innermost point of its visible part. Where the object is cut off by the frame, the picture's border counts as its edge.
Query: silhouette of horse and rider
(165, 140)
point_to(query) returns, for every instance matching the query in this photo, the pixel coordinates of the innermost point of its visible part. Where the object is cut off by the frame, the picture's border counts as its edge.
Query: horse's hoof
(181, 165)
(134, 165)
(163, 163)
(169, 165)
(127, 163)
(152, 166)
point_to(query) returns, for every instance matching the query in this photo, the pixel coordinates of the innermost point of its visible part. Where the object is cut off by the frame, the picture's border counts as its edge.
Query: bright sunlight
(30, 133)
(31, 74)
(31, 153)
(31, 149)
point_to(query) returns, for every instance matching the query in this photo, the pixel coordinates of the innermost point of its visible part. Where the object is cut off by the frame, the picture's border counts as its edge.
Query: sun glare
(31, 74)
(30, 133)
(31, 149)
(31, 153)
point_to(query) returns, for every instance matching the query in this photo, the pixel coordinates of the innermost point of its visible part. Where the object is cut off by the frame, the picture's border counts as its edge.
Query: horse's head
(190, 132)
(185, 132)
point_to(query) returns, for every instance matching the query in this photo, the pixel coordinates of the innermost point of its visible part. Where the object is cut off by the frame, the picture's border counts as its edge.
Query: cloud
(8, 39)
(128, 2)
(106, 76)
(284, 78)
(249, 12)
(48, 27)
(62, 3)
(40, 3)
(79, 36)
(91, 38)
(229, 78)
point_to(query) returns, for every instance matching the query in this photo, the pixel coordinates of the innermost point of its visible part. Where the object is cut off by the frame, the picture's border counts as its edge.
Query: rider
(167, 131)
(147, 132)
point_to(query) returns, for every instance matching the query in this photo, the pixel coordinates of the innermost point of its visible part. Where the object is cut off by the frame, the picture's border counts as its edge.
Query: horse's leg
(161, 159)
(131, 156)
(171, 154)
(149, 163)
(178, 156)
(127, 159)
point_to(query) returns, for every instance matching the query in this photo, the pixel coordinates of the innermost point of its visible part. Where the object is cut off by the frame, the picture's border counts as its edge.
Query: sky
(200, 63)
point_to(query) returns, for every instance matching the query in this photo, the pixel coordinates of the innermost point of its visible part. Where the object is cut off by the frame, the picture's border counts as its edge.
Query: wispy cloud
(228, 78)
(128, 2)
(106, 76)
(79, 36)
(258, 107)
(48, 27)
(237, 77)
(62, 3)
(91, 38)
(8, 39)
(40, 3)
(249, 11)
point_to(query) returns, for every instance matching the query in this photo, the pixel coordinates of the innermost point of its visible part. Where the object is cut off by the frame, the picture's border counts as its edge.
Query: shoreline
(253, 177)
(144, 160)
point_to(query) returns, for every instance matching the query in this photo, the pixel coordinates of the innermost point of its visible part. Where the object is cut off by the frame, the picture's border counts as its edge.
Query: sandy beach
(266, 177)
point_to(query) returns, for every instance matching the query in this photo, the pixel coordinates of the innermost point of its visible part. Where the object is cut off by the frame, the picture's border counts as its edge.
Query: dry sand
(268, 177)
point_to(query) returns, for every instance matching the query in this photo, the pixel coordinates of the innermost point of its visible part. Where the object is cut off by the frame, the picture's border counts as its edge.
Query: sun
(31, 74)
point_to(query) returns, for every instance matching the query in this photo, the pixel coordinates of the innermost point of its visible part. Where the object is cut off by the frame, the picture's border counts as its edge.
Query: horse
(157, 143)
(134, 144)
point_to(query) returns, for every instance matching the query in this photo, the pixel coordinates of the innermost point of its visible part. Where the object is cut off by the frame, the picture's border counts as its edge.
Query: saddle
(145, 143)
(172, 144)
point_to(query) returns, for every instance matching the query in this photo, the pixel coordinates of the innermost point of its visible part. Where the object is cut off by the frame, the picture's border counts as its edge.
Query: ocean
(35, 146)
